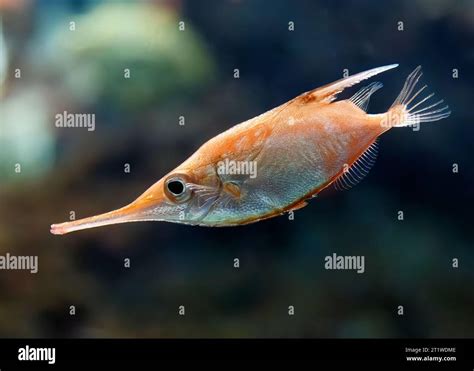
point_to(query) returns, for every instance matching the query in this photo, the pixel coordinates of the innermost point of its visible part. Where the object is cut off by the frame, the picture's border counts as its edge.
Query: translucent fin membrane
(359, 169)
(362, 97)
(418, 109)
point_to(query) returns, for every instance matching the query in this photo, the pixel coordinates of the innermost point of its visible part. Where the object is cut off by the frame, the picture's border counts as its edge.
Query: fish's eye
(176, 186)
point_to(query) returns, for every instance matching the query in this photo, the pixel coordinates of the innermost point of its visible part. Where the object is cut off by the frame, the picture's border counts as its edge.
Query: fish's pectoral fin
(362, 97)
(232, 188)
(328, 93)
(353, 174)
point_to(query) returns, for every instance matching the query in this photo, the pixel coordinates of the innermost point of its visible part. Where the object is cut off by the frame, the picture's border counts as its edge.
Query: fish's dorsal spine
(329, 92)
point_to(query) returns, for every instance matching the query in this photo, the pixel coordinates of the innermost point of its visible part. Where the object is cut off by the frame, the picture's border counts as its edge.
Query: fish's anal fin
(362, 97)
(329, 92)
(358, 170)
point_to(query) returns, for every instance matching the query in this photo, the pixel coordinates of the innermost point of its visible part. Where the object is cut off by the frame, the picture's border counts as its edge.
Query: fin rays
(362, 97)
(359, 169)
(423, 114)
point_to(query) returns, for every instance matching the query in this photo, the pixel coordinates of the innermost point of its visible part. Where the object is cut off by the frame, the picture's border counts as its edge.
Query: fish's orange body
(272, 163)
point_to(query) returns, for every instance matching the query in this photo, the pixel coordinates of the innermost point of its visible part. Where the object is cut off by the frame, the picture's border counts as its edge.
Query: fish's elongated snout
(148, 206)
(122, 215)
(129, 213)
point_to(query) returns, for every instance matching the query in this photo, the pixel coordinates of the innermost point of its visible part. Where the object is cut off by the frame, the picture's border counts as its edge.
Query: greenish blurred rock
(112, 39)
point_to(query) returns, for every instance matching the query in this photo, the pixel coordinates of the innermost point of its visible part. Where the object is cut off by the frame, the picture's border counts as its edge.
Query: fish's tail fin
(406, 111)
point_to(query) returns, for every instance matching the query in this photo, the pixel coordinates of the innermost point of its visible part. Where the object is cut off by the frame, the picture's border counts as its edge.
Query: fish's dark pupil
(176, 187)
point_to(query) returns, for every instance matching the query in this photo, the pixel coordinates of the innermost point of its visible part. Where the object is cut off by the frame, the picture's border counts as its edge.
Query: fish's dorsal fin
(362, 97)
(328, 93)
(359, 169)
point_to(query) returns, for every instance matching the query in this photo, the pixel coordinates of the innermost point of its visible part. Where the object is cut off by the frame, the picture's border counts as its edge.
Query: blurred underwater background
(160, 78)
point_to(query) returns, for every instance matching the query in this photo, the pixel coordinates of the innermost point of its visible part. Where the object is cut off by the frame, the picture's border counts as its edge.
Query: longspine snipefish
(289, 154)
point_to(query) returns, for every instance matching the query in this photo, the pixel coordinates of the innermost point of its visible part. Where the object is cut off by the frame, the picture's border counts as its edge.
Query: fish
(274, 163)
